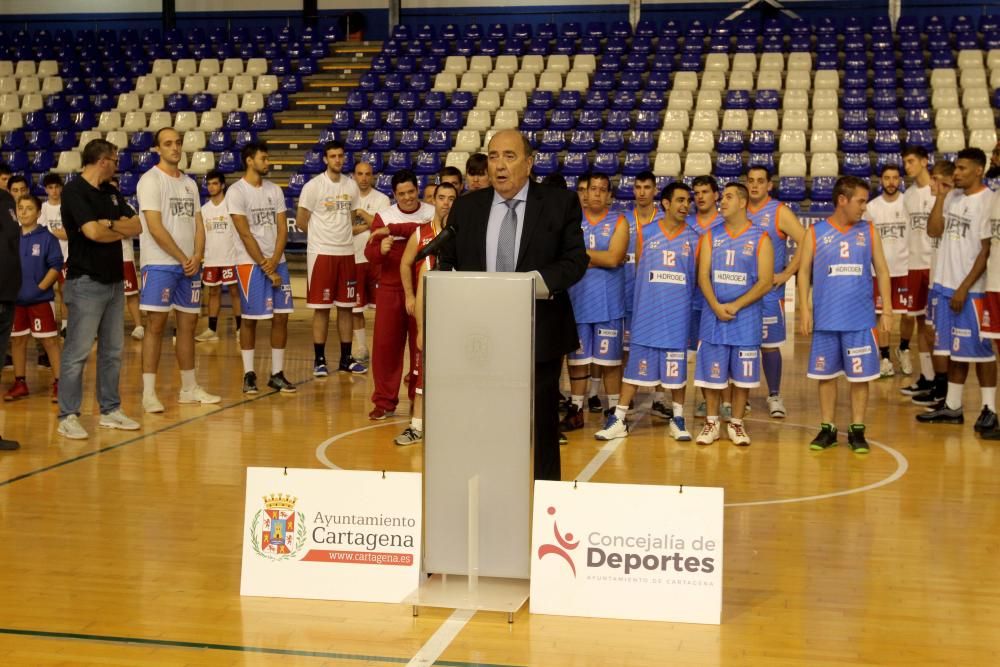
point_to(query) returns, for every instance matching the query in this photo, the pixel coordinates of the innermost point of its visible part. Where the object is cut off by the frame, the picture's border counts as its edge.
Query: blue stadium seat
(539, 46)
(243, 138)
(611, 140)
(430, 65)
(63, 140)
(887, 119)
(127, 182)
(218, 140)
(367, 120)
(765, 160)
(237, 121)
(575, 164)
(561, 120)
(37, 141)
(641, 141)
(262, 121)
(439, 48)
(730, 141)
(918, 119)
(14, 158)
(140, 142)
(555, 140)
(277, 102)
(855, 78)
(533, 119)
(916, 98)
(800, 43)
(737, 99)
(762, 141)
(489, 47)
(646, 120)
(566, 46)
(394, 119)
(590, 45)
(144, 162)
(394, 81)
(827, 60)
(630, 81)
(854, 98)
(423, 119)
(464, 47)
(543, 99)
(82, 120)
(427, 163)
(943, 59)
(615, 47)
(854, 141)
(651, 100)
(642, 45)
(791, 188)
(408, 100)
(616, 120)
(449, 31)
(355, 140)
(887, 158)
(369, 82)
(462, 100)
(623, 100)
(292, 83)
(343, 119)
(521, 31)
(434, 100)
(381, 64)
(767, 99)
(396, 161)
(451, 119)
(595, 99)
(78, 103)
(624, 190)
(381, 140)
(886, 141)
(202, 102)
(729, 165)
(690, 62)
(884, 99)
(923, 138)
(381, 100)
(857, 164)
(603, 81)
(439, 140)
(371, 157)
(645, 28)
(606, 163)
(56, 103)
(855, 119)
(545, 163)
(419, 82)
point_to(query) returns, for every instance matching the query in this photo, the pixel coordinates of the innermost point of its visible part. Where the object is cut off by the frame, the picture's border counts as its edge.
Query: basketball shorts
(694, 329)
(332, 281)
(367, 280)
(774, 321)
(37, 319)
(259, 298)
(718, 365)
(165, 288)
(917, 288)
(959, 335)
(627, 333)
(131, 280)
(600, 343)
(850, 353)
(653, 366)
(218, 275)
(898, 287)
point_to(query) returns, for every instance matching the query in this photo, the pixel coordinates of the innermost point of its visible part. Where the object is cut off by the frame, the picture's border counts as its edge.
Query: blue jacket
(40, 252)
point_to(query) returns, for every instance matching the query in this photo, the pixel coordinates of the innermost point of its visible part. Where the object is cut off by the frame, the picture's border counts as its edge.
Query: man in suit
(518, 225)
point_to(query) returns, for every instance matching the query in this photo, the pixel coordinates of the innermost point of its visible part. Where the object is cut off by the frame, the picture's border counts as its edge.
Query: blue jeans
(96, 310)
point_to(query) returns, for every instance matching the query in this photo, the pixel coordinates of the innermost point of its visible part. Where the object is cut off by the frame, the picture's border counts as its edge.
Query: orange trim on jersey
(842, 230)
(759, 244)
(593, 223)
(777, 221)
(709, 223)
(739, 233)
(701, 239)
(680, 228)
(638, 222)
(767, 200)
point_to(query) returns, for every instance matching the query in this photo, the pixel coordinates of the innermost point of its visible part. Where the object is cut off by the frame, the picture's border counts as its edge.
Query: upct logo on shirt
(339, 203)
(182, 207)
(262, 217)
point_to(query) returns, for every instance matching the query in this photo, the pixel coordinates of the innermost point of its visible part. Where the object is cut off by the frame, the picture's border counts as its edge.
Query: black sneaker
(563, 440)
(250, 383)
(564, 404)
(660, 410)
(926, 398)
(856, 439)
(8, 445)
(942, 415)
(43, 360)
(987, 421)
(826, 438)
(993, 434)
(573, 419)
(594, 405)
(921, 385)
(280, 382)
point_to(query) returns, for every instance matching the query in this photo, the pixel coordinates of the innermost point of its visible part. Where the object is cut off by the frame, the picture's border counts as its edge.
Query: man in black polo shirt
(96, 219)
(10, 278)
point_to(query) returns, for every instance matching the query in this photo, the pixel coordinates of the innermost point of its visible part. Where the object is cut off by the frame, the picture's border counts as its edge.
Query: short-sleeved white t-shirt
(261, 206)
(371, 203)
(176, 200)
(918, 203)
(220, 235)
(51, 218)
(892, 223)
(331, 221)
(993, 267)
(966, 226)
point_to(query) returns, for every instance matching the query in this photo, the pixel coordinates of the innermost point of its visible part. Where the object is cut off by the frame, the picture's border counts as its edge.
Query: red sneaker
(55, 391)
(17, 390)
(378, 414)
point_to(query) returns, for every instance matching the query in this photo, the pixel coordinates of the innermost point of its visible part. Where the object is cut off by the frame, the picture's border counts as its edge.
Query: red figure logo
(566, 544)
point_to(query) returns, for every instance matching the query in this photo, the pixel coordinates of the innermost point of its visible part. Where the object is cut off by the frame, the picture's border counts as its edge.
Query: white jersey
(176, 200)
(51, 218)
(220, 235)
(966, 226)
(261, 206)
(892, 223)
(993, 267)
(371, 203)
(918, 203)
(331, 221)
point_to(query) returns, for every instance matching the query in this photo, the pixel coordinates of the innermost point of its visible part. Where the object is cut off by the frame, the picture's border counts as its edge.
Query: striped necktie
(506, 255)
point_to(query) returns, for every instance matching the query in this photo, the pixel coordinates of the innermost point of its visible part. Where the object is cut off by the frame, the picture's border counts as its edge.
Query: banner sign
(331, 534)
(627, 551)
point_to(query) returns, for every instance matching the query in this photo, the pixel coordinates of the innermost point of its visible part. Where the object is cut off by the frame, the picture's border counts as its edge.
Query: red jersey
(401, 225)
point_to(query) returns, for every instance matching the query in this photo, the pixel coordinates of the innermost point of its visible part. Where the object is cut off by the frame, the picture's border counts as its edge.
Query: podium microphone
(432, 248)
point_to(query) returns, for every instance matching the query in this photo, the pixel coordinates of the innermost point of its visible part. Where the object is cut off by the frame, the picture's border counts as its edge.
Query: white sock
(989, 397)
(613, 400)
(595, 386)
(64, 323)
(954, 398)
(187, 380)
(926, 365)
(360, 342)
(577, 401)
(247, 360)
(277, 360)
(659, 396)
(149, 384)
(417, 424)
(678, 409)
(621, 411)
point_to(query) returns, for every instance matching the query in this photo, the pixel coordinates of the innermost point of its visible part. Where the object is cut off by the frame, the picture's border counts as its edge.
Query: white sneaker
(709, 433)
(737, 434)
(151, 404)
(139, 332)
(207, 336)
(363, 356)
(905, 362)
(678, 431)
(197, 395)
(885, 369)
(776, 407)
(613, 428)
(117, 419)
(71, 428)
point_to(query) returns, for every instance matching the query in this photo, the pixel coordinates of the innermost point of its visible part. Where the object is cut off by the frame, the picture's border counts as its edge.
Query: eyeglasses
(113, 158)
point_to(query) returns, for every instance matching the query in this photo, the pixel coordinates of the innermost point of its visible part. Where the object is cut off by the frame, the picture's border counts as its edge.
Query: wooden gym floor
(125, 549)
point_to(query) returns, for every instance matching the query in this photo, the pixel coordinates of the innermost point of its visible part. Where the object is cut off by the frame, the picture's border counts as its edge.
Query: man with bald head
(518, 225)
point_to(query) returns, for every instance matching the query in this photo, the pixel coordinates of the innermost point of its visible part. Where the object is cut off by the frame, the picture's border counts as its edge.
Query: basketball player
(666, 265)
(961, 219)
(391, 230)
(257, 207)
(918, 201)
(370, 202)
(735, 272)
(837, 258)
(326, 213)
(598, 302)
(220, 255)
(991, 307)
(780, 224)
(888, 214)
(411, 275)
(173, 244)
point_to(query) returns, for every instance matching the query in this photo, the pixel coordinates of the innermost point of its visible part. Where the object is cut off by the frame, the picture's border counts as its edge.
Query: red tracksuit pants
(392, 328)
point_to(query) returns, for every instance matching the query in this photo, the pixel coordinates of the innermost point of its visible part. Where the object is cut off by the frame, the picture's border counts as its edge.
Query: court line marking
(605, 452)
(441, 639)
(321, 447)
(172, 643)
(139, 438)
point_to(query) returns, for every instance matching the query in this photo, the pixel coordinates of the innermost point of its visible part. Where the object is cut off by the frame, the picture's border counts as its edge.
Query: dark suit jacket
(551, 243)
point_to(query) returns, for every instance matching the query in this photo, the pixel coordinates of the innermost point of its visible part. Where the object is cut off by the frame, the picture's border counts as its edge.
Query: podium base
(452, 591)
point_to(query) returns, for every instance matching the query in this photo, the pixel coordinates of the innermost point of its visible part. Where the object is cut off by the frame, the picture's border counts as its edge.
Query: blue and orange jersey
(666, 280)
(842, 276)
(634, 223)
(600, 296)
(734, 272)
(766, 217)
